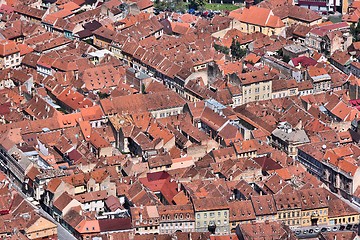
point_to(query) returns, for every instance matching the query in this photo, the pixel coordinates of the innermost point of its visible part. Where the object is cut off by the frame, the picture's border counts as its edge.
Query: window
(212, 214)
(198, 215)
(205, 222)
(205, 215)
(225, 213)
(219, 214)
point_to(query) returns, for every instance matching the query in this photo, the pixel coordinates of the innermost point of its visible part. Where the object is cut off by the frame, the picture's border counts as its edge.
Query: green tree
(174, 5)
(103, 95)
(286, 59)
(355, 31)
(221, 49)
(143, 89)
(236, 51)
(197, 4)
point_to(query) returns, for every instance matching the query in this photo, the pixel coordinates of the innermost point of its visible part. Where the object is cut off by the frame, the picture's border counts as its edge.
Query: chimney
(178, 186)
(140, 217)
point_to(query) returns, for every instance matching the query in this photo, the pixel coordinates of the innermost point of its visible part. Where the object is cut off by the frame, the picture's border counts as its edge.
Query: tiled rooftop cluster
(125, 124)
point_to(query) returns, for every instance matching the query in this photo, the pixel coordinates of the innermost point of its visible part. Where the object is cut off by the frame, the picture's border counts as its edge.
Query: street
(63, 234)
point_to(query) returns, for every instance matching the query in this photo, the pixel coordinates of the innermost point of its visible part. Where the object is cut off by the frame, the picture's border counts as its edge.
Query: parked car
(355, 227)
(191, 11)
(348, 227)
